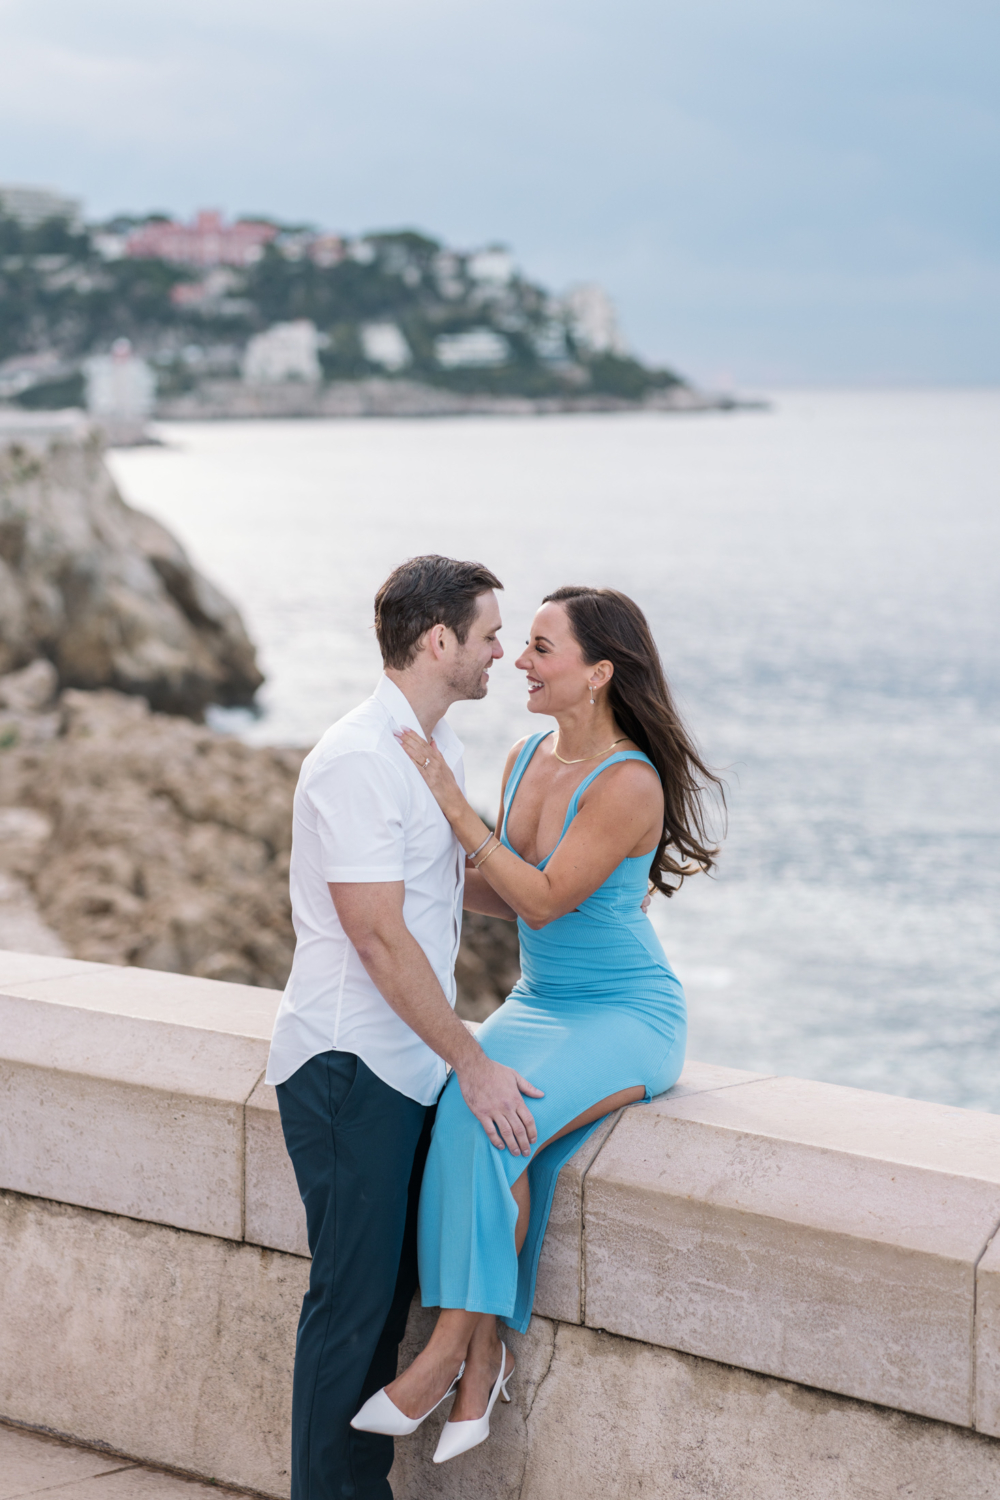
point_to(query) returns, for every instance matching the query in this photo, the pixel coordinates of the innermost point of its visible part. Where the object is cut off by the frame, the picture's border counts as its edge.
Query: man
(367, 1025)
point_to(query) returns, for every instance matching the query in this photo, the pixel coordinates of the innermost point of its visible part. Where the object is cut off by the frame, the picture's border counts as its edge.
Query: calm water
(824, 580)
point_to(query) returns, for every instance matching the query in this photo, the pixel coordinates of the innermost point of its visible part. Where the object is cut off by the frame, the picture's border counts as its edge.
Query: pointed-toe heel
(459, 1437)
(381, 1414)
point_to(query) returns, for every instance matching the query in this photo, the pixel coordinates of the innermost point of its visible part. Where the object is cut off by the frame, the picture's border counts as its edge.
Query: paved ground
(31, 1465)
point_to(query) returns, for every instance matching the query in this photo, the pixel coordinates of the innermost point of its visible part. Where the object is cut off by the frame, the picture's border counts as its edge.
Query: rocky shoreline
(128, 835)
(102, 590)
(221, 400)
(132, 837)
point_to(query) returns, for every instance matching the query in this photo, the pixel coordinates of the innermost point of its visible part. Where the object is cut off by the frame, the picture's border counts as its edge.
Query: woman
(591, 814)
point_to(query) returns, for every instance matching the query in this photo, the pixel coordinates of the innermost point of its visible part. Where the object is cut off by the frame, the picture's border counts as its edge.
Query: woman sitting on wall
(591, 813)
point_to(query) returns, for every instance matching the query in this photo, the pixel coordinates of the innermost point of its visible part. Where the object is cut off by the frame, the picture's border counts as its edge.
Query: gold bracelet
(486, 856)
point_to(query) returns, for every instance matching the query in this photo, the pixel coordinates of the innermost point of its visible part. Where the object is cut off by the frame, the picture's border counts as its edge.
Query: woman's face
(558, 676)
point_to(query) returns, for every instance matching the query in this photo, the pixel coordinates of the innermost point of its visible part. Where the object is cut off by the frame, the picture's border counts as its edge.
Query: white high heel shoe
(381, 1414)
(459, 1437)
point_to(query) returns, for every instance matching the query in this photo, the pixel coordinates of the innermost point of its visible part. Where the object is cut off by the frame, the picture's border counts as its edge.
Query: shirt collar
(398, 707)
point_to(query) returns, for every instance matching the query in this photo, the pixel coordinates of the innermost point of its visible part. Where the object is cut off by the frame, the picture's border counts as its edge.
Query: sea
(823, 580)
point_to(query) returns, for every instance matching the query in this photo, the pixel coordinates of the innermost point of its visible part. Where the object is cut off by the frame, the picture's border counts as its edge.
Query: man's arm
(481, 897)
(371, 914)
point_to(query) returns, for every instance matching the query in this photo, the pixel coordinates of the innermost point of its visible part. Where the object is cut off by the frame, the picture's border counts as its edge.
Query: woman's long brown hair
(610, 626)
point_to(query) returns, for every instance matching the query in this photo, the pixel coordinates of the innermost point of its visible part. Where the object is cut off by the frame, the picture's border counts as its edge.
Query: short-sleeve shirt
(363, 812)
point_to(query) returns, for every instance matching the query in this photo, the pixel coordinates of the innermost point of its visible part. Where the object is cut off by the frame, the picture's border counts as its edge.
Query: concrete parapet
(740, 1233)
(274, 1213)
(823, 1234)
(124, 1089)
(988, 1340)
(165, 1345)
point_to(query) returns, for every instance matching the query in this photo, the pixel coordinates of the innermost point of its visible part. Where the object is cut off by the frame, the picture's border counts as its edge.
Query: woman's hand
(436, 771)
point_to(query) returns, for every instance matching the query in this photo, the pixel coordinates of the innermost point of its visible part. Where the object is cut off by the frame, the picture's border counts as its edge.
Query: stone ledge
(176, 1349)
(123, 1089)
(821, 1234)
(988, 1340)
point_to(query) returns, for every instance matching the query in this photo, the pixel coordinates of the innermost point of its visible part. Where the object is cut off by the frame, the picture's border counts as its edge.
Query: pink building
(208, 241)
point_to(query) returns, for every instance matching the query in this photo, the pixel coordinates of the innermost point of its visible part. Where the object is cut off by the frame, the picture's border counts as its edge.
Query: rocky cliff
(103, 591)
(143, 838)
(131, 836)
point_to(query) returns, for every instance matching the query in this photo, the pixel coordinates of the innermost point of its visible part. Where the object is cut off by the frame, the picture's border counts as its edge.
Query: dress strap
(612, 760)
(517, 770)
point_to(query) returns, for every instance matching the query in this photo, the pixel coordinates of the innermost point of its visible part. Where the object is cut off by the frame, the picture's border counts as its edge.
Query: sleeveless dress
(597, 1009)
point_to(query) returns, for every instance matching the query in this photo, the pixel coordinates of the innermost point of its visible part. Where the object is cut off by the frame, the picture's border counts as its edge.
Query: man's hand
(493, 1094)
(371, 915)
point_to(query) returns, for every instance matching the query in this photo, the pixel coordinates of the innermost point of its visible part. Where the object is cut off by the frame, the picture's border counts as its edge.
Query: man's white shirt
(362, 813)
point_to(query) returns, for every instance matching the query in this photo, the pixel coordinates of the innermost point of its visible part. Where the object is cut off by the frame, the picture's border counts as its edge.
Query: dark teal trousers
(358, 1148)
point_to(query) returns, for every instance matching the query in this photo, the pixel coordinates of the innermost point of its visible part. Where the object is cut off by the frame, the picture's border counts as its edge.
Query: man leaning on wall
(367, 1024)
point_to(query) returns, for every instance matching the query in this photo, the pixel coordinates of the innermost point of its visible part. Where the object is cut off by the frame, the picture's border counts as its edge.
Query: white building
(476, 348)
(493, 267)
(120, 386)
(592, 321)
(287, 351)
(449, 273)
(31, 206)
(383, 344)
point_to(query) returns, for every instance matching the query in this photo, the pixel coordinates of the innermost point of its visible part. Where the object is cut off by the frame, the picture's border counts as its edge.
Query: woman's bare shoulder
(512, 755)
(628, 780)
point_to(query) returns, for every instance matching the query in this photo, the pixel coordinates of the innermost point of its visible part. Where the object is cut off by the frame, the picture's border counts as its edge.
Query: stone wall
(754, 1287)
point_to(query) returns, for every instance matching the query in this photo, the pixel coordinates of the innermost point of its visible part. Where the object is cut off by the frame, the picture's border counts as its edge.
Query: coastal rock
(147, 839)
(104, 592)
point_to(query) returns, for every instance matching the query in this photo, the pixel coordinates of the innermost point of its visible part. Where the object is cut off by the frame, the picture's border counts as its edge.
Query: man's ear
(438, 642)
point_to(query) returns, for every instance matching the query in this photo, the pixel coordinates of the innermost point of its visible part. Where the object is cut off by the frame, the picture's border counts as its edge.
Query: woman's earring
(593, 700)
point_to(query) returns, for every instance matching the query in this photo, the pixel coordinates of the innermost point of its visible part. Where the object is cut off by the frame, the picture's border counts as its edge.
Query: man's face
(469, 676)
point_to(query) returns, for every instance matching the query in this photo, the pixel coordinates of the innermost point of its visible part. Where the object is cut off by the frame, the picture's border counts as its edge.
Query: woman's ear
(601, 673)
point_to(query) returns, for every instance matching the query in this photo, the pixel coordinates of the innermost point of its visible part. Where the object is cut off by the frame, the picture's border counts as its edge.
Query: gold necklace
(580, 758)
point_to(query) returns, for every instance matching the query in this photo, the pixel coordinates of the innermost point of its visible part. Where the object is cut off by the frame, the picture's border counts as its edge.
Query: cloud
(780, 160)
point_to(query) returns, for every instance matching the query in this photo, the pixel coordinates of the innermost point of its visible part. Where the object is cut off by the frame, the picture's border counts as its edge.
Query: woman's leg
(473, 1336)
(424, 1382)
(457, 1335)
(520, 1189)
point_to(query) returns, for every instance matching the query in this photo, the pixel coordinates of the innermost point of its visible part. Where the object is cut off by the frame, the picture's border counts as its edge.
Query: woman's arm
(479, 894)
(620, 810)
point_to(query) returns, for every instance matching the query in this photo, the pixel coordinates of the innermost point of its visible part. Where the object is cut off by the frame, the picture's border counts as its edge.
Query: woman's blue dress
(597, 1009)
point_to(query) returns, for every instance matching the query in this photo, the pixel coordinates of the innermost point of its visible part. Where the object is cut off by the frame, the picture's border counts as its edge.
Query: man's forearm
(481, 897)
(399, 969)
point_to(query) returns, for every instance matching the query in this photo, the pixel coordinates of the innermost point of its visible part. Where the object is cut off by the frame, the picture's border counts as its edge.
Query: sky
(774, 192)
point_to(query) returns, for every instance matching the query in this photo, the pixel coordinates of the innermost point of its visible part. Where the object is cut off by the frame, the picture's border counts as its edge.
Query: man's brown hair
(426, 591)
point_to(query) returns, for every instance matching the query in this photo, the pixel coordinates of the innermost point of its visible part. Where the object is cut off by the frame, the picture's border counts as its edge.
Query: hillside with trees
(399, 305)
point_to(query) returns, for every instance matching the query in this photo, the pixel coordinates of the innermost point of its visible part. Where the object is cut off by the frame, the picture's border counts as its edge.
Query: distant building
(592, 320)
(476, 348)
(120, 387)
(287, 351)
(383, 344)
(207, 241)
(550, 342)
(448, 272)
(494, 266)
(207, 293)
(32, 206)
(326, 250)
(109, 246)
